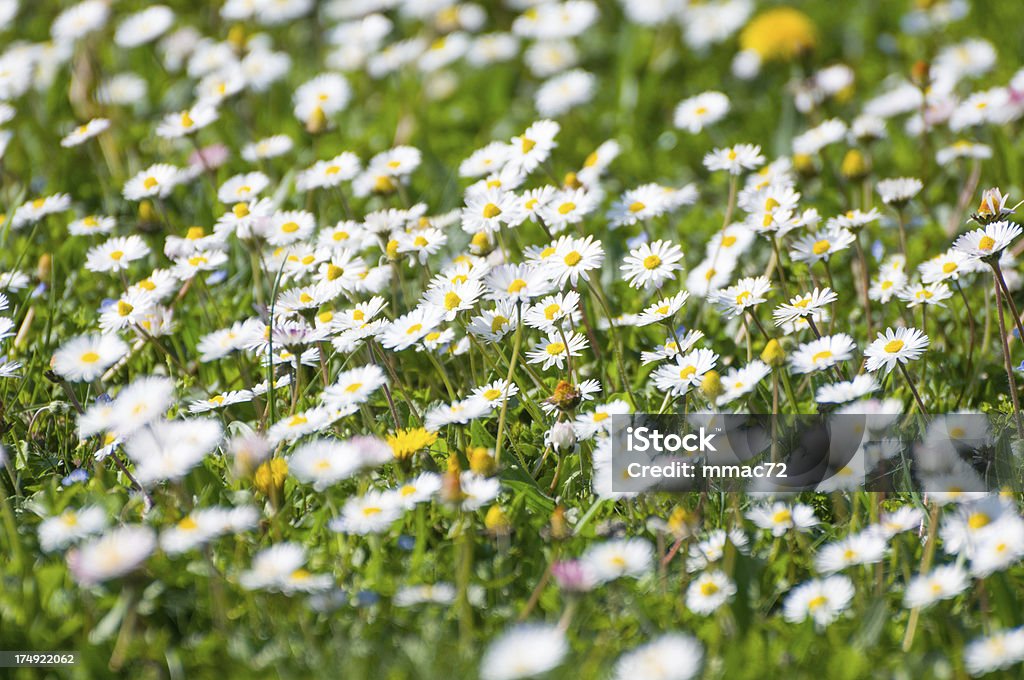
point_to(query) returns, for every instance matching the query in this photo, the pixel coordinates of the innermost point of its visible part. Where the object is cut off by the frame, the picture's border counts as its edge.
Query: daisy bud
(481, 461)
(496, 520)
(391, 249)
(571, 181)
(773, 355)
(44, 268)
(451, 484)
(681, 522)
(317, 121)
(562, 436)
(711, 386)
(919, 72)
(481, 243)
(237, 37)
(854, 166)
(804, 164)
(269, 479)
(559, 526)
(147, 214)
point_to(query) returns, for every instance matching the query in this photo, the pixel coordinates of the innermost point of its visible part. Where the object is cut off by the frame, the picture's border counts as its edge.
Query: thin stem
(913, 390)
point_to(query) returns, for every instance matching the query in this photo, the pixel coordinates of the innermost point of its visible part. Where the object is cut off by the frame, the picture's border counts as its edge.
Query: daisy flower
(741, 381)
(947, 266)
(222, 400)
(942, 583)
(242, 188)
(922, 294)
(323, 463)
(527, 151)
(865, 547)
(895, 346)
(268, 147)
(685, 373)
(822, 353)
(554, 350)
(92, 224)
(407, 330)
(745, 294)
(887, 284)
(625, 557)
(650, 264)
(846, 391)
(113, 554)
(190, 121)
(32, 211)
(821, 600)
(663, 309)
(708, 592)
(87, 357)
(487, 211)
(734, 160)
(674, 656)
(808, 306)
(60, 531)
(898, 191)
(989, 241)
(524, 651)
(84, 133)
(998, 651)
(354, 386)
(330, 173)
(156, 180)
(637, 205)
(567, 207)
(696, 113)
(574, 259)
(992, 207)
(548, 313)
(495, 394)
(563, 92)
(326, 95)
(780, 517)
(289, 226)
(821, 245)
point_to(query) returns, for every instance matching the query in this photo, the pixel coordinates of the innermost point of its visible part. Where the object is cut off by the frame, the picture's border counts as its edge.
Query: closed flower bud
(711, 385)
(919, 72)
(571, 181)
(147, 214)
(559, 525)
(269, 479)
(496, 520)
(236, 37)
(854, 166)
(561, 436)
(773, 354)
(317, 121)
(481, 244)
(804, 164)
(44, 268)
(481, 461)
(451, 484)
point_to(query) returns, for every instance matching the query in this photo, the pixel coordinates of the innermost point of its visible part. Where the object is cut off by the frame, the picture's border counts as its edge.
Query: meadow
(318, 321)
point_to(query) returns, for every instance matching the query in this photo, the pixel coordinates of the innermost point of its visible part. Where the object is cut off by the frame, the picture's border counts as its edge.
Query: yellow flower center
(186, 120)
(117, 255)
(150, 182)
(986, 243)
(636, 206)
(573, 258)
(893, 346)
(687, 372)
(820, 247)
(491, 210)
(728, 241)
(566, 208)
(90, 357)
(528, 144)
(821, 356)
(491, 394)
(240, 210)
(123, 308)
(415, 328)
(289, 227)
(651, 262)
(451, 301)
(498, 323)
(555, 348)
(516, 286)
